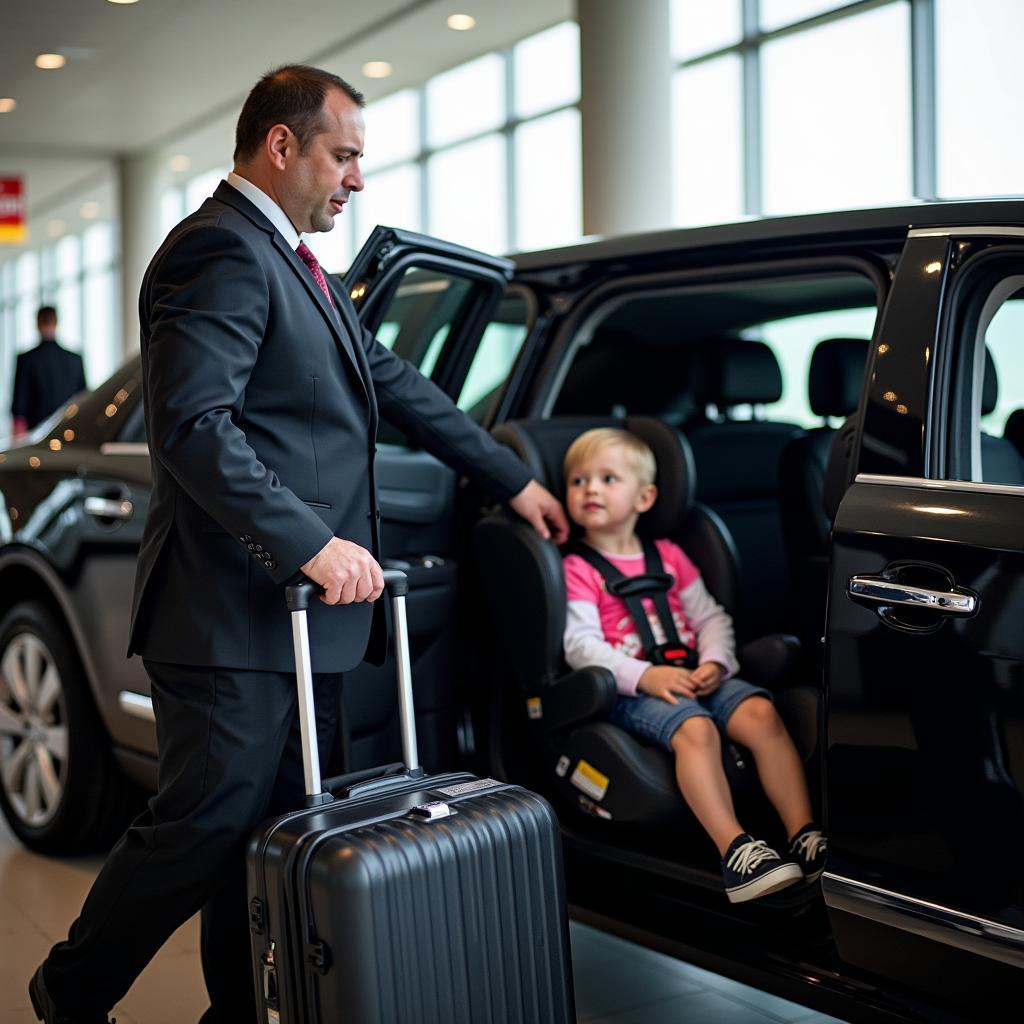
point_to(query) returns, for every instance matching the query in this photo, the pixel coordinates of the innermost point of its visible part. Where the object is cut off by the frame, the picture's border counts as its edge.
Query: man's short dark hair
(292, 95)
(46, 314)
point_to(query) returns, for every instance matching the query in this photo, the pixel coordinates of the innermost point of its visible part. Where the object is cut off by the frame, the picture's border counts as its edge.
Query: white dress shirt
(267, 207)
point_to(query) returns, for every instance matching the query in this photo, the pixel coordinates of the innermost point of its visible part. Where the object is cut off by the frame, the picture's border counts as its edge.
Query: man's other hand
(542, 510)
(347, 572)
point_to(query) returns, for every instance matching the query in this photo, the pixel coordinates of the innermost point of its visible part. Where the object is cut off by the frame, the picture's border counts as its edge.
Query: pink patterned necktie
(306, 255)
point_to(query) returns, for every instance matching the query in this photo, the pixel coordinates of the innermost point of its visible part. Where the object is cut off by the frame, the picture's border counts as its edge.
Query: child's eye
(610, 478)
(576, 481)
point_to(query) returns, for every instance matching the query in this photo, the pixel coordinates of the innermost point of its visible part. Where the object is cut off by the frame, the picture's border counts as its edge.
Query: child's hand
(668, 683)
(707, 677)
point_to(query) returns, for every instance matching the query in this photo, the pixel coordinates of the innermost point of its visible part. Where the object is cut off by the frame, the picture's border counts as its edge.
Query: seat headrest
(836, 376)
(740, 372)
(542, 445)
(990, 385)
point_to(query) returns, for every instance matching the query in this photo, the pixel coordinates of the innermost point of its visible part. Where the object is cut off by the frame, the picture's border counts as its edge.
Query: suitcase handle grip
(297, 597)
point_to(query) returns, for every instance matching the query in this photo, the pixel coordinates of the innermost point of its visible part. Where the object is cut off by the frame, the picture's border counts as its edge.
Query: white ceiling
(169, 76)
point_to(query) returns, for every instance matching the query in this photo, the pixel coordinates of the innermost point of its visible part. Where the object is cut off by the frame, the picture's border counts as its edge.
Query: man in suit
(262, 395)
(44, 377)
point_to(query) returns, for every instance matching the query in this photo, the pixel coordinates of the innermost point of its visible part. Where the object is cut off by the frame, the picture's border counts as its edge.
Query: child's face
(604, 492)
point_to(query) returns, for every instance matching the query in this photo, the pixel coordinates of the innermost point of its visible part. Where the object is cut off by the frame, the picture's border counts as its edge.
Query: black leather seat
(834, 383)
(737, 463)
(1001, 461)
(1014, 430)
(594, 765)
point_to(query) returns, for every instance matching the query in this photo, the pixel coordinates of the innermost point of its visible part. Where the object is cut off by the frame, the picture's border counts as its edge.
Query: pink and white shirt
(600, 631)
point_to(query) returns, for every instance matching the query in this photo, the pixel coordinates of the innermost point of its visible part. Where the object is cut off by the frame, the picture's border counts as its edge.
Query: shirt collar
(267, 207)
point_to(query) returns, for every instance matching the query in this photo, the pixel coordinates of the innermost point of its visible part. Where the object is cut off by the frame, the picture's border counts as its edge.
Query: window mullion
(924, 117)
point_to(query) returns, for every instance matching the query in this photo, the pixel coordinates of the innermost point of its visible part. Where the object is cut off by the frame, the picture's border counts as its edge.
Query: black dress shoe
(47, 1012)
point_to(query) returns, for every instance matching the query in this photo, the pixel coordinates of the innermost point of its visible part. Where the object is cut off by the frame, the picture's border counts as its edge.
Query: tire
(60, 789)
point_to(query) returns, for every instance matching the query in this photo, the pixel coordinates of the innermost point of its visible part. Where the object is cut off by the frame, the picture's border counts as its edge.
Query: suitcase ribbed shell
(459, 920)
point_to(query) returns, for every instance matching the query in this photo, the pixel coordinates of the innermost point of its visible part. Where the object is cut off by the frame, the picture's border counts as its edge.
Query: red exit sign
(12, 211)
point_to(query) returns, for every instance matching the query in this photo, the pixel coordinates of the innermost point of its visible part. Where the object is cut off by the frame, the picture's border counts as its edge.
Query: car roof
(890, 222)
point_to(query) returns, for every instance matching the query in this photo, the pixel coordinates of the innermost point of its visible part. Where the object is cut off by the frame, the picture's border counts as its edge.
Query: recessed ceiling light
(181, 162)
(91, 209)
(377, 69)
(56, 228)
(50, 61)
(122, 1)
(461, 22)
(7, 105)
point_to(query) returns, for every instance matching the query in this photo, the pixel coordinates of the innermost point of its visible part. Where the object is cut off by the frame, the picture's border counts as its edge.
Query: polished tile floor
(616, 982)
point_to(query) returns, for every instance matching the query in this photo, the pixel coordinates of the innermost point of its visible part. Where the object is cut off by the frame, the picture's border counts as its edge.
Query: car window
(793, 340)
(989, 402)
(1004, 339)
(424, 312)
(655, 354)
(502, 339)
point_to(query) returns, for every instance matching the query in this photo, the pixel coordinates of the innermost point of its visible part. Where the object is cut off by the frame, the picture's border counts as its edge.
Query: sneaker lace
(809, 845)
(748, 856)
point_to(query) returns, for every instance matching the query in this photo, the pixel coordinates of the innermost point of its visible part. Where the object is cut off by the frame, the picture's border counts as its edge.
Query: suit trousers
(229, 757)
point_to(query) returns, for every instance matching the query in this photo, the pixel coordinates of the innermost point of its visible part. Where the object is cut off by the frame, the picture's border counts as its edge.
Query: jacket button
(270, 564)
(251, 547)
(259, 547)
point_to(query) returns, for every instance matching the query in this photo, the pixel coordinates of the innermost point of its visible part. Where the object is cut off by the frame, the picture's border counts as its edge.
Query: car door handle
(882, 591)
(109, 508)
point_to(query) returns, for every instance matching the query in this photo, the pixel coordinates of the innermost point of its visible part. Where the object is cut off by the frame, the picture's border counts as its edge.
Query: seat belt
(653, 583)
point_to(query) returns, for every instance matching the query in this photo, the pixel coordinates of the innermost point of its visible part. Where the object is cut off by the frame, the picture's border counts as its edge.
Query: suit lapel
(344, 340)
(345, 335)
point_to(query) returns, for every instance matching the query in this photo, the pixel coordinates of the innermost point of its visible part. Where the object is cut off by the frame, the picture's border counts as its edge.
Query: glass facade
(778, 106)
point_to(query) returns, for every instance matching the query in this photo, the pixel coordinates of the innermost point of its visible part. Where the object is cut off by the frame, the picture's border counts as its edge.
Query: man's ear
(646, 498)
(279, 145)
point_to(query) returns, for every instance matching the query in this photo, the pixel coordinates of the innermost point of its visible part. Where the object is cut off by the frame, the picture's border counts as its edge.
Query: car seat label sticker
(469, 787)
(590, 780)
(273, 1017)
(562, 768)
(534, 708)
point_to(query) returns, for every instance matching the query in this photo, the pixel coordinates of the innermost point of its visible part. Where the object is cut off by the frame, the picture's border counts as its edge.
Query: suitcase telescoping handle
(297, 597)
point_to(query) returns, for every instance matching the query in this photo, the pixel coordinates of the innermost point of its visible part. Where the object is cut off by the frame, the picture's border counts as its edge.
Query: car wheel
(60, 789)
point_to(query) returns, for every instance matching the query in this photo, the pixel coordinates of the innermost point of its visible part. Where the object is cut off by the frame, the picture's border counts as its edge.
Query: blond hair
(639, 456)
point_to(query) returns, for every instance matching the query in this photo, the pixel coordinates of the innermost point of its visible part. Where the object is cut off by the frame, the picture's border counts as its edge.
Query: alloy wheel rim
(33, 730)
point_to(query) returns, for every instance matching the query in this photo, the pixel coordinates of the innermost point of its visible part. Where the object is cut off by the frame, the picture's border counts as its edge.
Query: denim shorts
(654, 720)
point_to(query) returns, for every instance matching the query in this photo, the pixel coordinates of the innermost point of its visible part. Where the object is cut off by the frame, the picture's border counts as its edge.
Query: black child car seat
(592, 764)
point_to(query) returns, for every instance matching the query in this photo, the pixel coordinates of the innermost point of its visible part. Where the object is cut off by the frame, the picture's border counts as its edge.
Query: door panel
(925, 721)
(429, 301)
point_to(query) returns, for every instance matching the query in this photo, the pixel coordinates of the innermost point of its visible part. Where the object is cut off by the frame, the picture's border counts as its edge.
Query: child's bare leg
(702, 780)
(756, 724)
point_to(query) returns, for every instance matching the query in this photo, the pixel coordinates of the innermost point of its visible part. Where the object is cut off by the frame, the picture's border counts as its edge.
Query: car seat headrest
(740, 372)
(990, 385)
(542, 445)
(836, 375)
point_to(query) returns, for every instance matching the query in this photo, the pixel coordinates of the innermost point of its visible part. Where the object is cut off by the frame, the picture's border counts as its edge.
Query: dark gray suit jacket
(261, 409)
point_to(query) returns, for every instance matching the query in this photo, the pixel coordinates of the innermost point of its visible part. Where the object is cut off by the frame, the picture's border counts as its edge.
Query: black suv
(834, 383)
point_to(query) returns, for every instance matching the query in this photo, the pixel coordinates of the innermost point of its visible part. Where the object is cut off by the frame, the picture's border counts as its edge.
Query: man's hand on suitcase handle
(348, 573)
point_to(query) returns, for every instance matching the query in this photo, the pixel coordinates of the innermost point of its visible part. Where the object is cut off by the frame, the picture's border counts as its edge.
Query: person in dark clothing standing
(45, 376)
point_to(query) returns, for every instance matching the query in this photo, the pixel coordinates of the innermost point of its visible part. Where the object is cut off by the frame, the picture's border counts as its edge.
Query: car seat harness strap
(653, 583)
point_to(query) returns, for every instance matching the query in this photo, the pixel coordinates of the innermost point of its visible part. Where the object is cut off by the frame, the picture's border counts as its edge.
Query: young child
(609, 484)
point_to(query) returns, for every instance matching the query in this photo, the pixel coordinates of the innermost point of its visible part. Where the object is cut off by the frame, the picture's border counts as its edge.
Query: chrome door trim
(970, 486)
(956, 232)
(124, 448)
(888, 592)
(109, 508)
(138, 705)
(931, 921)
